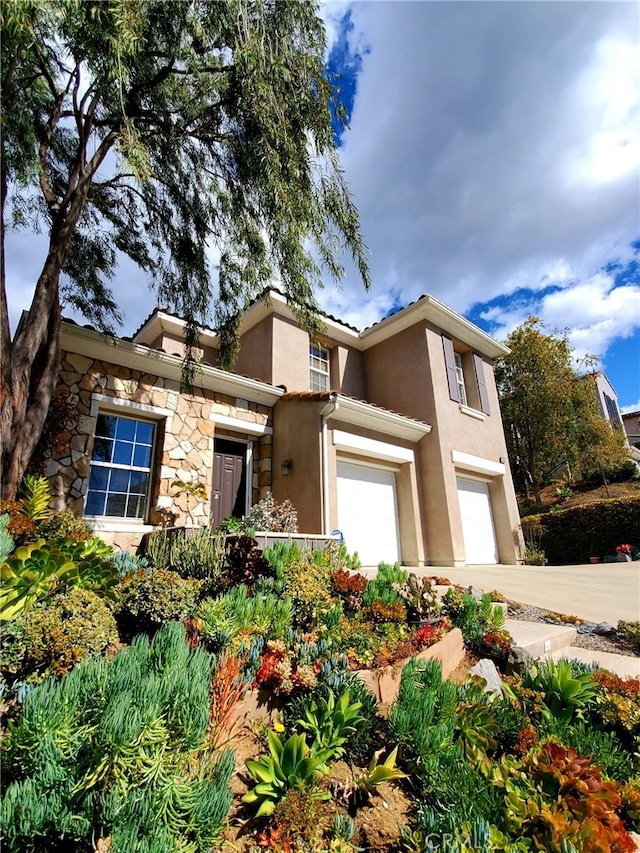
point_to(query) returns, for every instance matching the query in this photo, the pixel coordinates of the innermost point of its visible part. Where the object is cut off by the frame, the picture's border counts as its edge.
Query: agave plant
(331, 722)
(289, 765)
(378, 773)
(565, 694)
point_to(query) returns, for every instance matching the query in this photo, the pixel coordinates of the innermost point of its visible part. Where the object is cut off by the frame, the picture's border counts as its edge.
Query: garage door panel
(477, 522)
(367, 512)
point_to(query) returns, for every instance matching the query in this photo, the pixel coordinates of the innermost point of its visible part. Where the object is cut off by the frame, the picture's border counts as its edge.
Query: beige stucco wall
(297, 436)
(407, 374)
(255, 358)
(347, 372)
(184, 440)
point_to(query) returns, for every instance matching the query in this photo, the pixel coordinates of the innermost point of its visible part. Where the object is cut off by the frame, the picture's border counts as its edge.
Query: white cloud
(594, 311)
(634, 407)
(493, 146)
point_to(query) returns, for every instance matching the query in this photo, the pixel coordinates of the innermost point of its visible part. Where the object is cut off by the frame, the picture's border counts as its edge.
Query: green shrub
(381, 587)
(148, 600)
(53, 636)
(225, 618)
(37, 570)
(116, 749)
(424, 721)
(197, 556)
(309, 586)
(631, 632)
(32, 572)
(573, 535)
(64, 525)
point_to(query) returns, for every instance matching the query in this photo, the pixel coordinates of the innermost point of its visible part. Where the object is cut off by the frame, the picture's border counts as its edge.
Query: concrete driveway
(605, 592)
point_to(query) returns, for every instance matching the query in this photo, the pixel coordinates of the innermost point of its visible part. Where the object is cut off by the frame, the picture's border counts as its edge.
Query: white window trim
(238, 425)
(462, 391)
(115, 524)
(473, 413)
(103, 403)
(318, 371)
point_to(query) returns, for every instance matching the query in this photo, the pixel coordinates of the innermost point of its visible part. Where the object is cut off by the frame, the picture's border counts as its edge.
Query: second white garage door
(367, 513)
(477, 522)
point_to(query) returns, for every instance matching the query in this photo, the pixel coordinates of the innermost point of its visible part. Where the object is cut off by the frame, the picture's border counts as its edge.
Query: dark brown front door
(229, 480)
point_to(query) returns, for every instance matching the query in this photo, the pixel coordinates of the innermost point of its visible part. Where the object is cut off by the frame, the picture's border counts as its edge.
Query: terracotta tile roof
(164, 310)
(129, 340)
(397, 311)
(307, 395)
(325, 395)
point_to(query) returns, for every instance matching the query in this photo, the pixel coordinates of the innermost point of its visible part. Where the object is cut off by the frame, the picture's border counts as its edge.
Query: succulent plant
(29, 574)
(289, 765)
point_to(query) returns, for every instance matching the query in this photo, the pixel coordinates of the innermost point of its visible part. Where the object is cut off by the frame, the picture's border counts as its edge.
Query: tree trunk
(27, 389)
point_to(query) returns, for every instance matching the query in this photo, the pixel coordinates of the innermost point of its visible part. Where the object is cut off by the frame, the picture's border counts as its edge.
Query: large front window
(120, 467)
(319, 368)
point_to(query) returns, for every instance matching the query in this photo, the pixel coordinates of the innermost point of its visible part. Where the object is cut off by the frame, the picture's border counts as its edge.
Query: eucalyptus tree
(159, 130)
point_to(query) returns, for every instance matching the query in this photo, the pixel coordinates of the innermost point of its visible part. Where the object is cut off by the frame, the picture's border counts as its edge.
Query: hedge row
(575, 534)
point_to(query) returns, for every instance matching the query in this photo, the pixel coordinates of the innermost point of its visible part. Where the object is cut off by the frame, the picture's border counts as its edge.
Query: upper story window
(120, 478)
(318, 368)
(462, 392)
(466, 378)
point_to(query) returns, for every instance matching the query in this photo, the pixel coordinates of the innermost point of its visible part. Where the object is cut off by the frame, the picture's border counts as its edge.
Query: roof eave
(430, 309)
(361, 414)
(123, 353)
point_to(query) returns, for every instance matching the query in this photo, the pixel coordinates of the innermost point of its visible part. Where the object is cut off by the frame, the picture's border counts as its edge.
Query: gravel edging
(613, 642)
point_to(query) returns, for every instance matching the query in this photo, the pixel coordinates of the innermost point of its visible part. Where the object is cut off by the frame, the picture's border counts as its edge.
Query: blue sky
(493, 154)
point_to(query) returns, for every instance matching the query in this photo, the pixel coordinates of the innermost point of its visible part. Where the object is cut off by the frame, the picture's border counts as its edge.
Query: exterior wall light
(287, 465)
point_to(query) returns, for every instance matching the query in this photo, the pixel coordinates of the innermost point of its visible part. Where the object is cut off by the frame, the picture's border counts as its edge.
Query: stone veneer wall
(182, 452)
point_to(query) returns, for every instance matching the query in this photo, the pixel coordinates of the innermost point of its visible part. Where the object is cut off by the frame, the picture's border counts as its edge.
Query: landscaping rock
(604, 629)
(518, 661)
(486, 669)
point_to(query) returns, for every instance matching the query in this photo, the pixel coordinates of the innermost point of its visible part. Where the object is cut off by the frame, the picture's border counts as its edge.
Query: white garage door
(367, 513)
(477, 522)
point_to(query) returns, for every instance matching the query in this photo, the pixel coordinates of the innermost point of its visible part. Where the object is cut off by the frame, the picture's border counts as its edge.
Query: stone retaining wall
(185, 436)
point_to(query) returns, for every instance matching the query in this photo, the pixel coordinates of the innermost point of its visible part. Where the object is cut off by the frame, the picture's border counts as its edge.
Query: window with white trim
(462, 391)
(318, 368)
(120, 476)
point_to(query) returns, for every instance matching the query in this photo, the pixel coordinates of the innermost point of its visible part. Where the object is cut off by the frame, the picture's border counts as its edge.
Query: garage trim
(371, 447)
(478, 464)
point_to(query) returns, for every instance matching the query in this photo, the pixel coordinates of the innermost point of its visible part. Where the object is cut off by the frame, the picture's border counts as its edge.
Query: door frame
(247, 444)
(463, 475)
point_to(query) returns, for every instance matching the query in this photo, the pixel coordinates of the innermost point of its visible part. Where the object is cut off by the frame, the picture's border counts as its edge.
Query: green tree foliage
(158, 130)
(550, 412)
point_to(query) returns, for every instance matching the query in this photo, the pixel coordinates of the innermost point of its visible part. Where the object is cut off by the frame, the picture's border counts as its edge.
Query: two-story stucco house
(391, 435)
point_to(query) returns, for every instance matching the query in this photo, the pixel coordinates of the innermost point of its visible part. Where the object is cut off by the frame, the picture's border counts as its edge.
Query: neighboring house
(607, 398)
(631, 422)
(391, 435)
